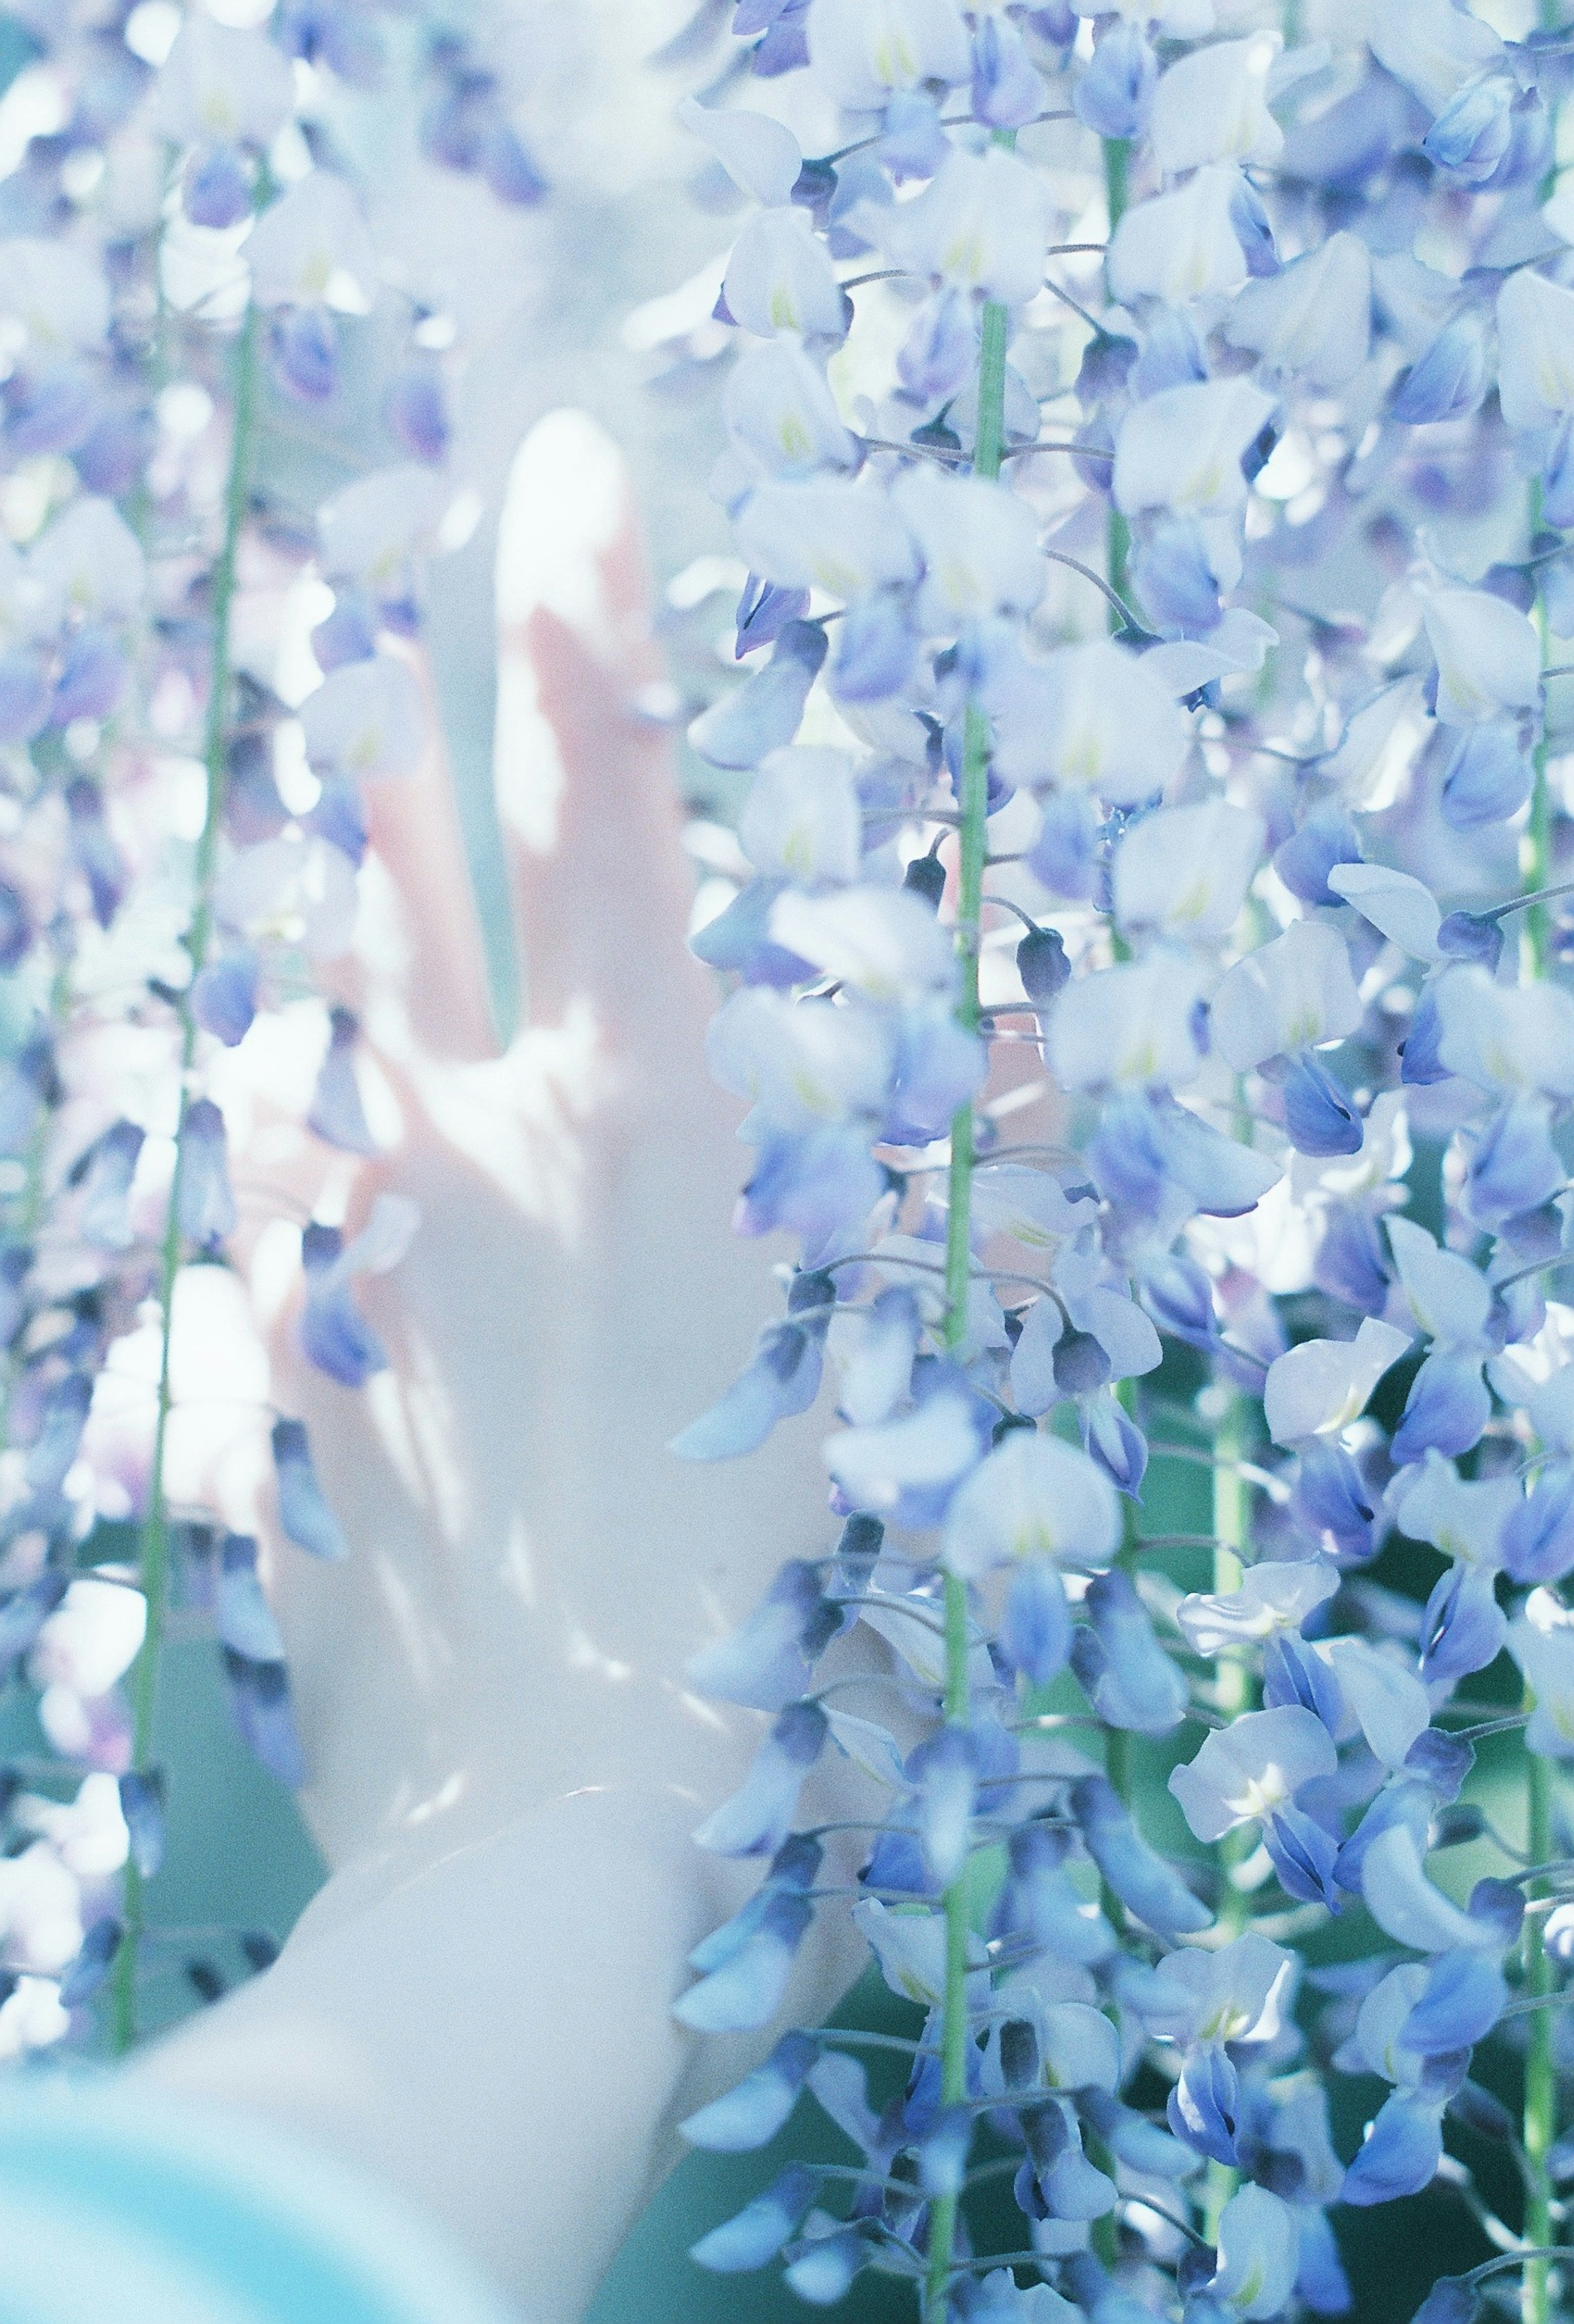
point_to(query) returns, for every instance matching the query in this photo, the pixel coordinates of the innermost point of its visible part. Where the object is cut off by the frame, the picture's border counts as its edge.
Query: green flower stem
(1540, 2127)
(154, 1562)
(1117, 533)
(1541, 2088)
(972, 846)
(1232, 1520)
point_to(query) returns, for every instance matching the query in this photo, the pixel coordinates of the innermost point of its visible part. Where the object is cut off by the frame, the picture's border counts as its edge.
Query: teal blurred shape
(239, 1856)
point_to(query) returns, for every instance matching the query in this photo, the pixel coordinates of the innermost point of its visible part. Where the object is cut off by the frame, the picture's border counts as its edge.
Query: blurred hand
(505, 1763)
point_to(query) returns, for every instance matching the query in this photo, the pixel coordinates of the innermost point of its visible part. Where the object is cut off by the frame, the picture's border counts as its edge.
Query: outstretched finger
(586, 795)
(420, 934)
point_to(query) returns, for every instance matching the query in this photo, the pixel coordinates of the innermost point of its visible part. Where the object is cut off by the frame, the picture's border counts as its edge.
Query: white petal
(1487, 655)
(1507, 1036)
(1032, 1497)
(1126, 1028)
(1180, 246)
(801, 819)
(1186, 869)
(884, 941)
(1401, 906)
(1183, 449)
(1319, 1386)
(1535, 347)
(979, 544)
(1212, 106)
(759, 154)
(779, 279)
(1290, 994)
(862, 50)
(311, 248)
(1449, 1298)
(1313, 319)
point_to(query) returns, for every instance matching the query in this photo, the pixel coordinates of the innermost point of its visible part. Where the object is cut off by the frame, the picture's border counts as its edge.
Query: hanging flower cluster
(184, 262)
(1149, 435)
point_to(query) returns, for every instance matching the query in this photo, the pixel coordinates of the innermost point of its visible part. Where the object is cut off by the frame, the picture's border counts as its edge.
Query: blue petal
(875, 650)
(783, 1380)
(1035, 1627)
(1318, 1113)
(207, 1212)
(1537, 1543)
(1514, 1166)
(1293, 1674)
(945, 1770)
(93, 675)
(937, 357)
(243, 1618)
(336, 1337)
(1174, 576)
(1471, 935)
(1064, 858)
(93, 1963)
(1470, 136)
(1488, 777)
(739, 939)
(1007, 89)
(97, 857)
(110, 1166)
(217, 189)
(224, 997)
(764, 612)
(1145, 1885)
(1204, 2107)
(1125, 1672)
(1114, 1441)
(1173, 356)
(1321, 2280)
(745, 1990)
(1447, 381)
(1177, 1294)
(757, 1819)
(823, 2272)
(1112, 96)
(303, 1508)
(1350, 1261)
(1449, 1406)
(303, 346)
(1303, 1855)
(141, 1804)
(49, 410)
(764, 714)
(54, 1448)
(1465, 1996)
(24, 1613)
(416, 411)
(336, 1114)
(751, 2114)
(1464, 1626)
(759, 2230)
(1420, 1062)
(1400, 2157)
(259, 1695)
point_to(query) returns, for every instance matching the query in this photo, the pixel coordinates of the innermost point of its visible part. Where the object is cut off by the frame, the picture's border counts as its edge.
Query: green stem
(1540, 2088)
(972, 846)
(1117, 533)
(154, 1563)
(1540, 2127)
(1231, 1517)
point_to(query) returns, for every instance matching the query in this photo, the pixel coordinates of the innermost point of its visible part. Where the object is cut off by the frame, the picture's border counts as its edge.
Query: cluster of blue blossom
(180, 245)
(1088, 989)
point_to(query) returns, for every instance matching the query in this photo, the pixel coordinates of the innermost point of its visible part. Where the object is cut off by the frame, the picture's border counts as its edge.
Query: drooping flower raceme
(1141, 765)
(179, 856)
